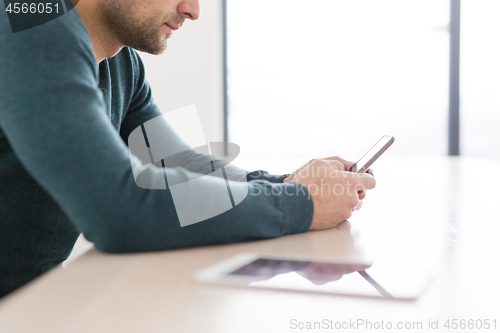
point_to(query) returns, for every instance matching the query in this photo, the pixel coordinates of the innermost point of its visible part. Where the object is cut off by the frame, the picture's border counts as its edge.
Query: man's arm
(143, 108)
(52, 114)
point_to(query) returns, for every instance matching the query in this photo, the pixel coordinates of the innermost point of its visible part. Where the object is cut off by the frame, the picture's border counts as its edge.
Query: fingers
(334, 162)
(346, 164)
(305, 171)
(366, 181)
(339, 165)
(320, 168)
(361, 194)
(336, 165)
(358, 206)
(370, 172)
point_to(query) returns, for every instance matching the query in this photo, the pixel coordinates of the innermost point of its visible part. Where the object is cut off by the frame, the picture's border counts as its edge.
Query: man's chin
(152, 49)
(161, 47)
(161, 50)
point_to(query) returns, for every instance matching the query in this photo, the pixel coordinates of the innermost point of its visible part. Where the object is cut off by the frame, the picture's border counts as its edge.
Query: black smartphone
(371, 156)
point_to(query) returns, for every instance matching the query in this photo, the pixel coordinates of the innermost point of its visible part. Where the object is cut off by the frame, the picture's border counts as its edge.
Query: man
(71, 92)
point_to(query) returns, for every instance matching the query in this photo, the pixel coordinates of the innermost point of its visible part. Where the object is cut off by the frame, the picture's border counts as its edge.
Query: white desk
(443, 212)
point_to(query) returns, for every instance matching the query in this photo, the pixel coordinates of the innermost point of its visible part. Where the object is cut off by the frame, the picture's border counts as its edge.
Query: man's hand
(336, 193)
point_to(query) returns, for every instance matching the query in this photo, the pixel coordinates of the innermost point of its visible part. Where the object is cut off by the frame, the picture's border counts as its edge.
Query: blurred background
(330, 77)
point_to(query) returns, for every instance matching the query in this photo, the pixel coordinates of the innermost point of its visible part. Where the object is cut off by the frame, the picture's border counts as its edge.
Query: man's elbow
(109, 242)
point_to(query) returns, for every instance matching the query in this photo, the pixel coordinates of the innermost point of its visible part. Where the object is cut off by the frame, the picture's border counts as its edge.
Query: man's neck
(105, 45)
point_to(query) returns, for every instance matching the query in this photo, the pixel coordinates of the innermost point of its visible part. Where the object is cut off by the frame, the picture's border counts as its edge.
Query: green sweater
(65, 167)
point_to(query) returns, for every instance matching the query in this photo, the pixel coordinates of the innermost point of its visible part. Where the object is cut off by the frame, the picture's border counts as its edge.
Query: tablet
(369, 279)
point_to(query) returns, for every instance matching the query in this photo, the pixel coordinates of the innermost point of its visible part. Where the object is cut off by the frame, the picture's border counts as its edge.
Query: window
(480, 78)
(330, 77)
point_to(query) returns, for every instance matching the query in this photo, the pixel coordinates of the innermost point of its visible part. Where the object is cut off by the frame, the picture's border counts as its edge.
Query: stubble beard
(130, 29)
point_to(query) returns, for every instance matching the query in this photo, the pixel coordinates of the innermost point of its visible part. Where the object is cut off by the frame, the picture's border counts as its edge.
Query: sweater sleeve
(143, 109)
(52, 113)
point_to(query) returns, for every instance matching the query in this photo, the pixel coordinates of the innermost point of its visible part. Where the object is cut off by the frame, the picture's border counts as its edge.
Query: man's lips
(172, 27)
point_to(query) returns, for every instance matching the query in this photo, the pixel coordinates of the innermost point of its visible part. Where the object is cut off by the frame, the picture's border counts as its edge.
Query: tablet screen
(338, 278)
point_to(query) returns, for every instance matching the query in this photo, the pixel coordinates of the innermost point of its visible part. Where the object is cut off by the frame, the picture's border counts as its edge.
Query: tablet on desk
(312, 275)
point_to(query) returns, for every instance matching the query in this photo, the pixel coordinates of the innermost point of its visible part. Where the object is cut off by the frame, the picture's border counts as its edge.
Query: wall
(190, 71)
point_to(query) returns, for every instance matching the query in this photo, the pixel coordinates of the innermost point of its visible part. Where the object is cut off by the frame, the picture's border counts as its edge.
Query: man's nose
(190, 9)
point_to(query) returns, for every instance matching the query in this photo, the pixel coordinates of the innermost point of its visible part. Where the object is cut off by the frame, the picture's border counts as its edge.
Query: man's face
(145, 25)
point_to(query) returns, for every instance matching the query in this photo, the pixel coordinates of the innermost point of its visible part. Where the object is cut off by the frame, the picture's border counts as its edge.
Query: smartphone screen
(371, 156)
